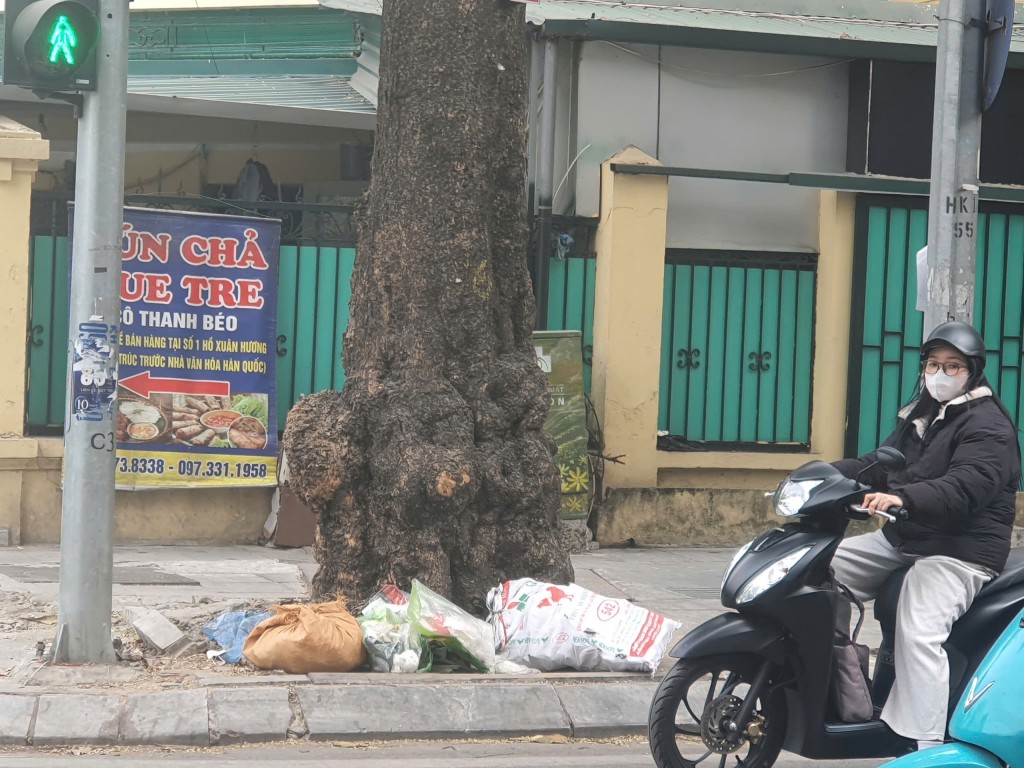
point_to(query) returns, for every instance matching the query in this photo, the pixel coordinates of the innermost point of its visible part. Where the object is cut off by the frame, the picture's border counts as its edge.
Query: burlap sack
(318, 637)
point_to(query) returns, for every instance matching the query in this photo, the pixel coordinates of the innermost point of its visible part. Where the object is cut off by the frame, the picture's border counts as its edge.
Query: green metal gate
(312, 316)
(48, 334)
(317, 258)
(886, 332)
(737, 350)
(571, 303)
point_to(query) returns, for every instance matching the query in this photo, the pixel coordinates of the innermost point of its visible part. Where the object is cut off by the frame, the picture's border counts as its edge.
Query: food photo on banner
(196, 400)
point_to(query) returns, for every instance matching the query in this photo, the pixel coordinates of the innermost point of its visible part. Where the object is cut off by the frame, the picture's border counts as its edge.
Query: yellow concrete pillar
(21, 149)
(627, 317)
(836, 222)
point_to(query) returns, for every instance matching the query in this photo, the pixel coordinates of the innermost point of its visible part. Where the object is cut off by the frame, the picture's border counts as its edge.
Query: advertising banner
(197, 372)
(560, 356)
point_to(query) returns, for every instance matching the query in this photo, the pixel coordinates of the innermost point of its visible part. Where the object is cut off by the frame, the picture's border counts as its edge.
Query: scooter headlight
(735, 559)
(792, 495)
(770, 576)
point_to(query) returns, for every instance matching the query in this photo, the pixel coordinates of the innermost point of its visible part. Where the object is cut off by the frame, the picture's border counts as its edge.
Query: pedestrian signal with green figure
(50, 45)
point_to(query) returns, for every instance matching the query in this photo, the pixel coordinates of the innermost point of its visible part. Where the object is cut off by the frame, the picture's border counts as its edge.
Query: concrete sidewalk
(216, 705)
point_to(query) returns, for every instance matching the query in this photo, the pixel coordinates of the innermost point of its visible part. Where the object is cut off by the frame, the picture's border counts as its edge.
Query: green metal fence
(48, 333)
(317, 257)
(313, 305)
(312, 316)
(737, 350)
(571, 303)
(886, 332)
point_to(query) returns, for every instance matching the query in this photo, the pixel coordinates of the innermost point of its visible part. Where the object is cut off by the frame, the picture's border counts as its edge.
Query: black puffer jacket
(959, 484)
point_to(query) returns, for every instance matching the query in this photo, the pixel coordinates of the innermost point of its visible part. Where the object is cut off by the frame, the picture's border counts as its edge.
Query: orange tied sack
(318, 637)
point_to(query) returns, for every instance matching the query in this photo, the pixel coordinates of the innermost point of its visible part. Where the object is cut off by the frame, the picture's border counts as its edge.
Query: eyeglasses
(950, 369)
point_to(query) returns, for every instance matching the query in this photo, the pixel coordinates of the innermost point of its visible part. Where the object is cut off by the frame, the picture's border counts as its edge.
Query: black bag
(850, 687)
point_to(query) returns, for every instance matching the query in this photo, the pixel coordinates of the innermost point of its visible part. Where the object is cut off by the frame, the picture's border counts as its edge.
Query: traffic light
(50, 45)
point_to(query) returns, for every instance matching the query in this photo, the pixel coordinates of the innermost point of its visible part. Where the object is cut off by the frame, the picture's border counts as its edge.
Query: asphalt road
(631, 754)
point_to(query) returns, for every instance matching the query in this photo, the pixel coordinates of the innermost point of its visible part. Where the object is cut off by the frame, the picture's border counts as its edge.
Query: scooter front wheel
(690, 716)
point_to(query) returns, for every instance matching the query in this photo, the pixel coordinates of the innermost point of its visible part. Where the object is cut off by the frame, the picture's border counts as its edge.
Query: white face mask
(944, 387)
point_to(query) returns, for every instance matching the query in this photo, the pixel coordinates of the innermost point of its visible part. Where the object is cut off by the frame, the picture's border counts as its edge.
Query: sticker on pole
(94, 370)
(922, 280)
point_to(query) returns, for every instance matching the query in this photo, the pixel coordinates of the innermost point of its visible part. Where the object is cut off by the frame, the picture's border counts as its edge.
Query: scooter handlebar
(892, 515)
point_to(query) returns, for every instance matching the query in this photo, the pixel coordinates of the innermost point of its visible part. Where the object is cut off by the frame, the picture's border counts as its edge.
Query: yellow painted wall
(30, 494)
(660, 497)
(174, 154)
(207, 515)
(627, 341)
(172, 173)
(627, 350)
(20, 152)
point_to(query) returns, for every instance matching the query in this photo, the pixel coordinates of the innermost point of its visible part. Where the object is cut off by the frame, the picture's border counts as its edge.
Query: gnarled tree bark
(432, 463)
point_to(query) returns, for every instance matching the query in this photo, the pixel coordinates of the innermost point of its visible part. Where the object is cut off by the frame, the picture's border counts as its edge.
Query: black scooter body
(792, 624)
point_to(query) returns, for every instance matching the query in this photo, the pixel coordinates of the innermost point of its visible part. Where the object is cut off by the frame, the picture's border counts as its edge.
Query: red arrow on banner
(143, 385)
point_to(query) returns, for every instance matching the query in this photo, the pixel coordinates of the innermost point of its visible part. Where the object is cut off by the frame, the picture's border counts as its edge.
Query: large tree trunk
(432, 464)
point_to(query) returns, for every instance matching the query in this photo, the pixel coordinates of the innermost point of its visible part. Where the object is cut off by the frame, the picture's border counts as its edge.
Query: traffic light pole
(956, 145)
(87, 523)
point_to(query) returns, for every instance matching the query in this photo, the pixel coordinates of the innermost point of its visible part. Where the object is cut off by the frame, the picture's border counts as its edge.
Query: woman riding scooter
(958, 486)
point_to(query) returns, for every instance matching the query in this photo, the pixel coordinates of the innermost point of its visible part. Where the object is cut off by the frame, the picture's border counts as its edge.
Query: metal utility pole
(545, 180)
(956, 146)
(87, 524)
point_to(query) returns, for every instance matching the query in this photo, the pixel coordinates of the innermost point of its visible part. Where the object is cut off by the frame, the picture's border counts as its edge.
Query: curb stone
(464, 678)
(369, 711)
(77, 719)
(16, 714)
(376, 711)
(614, 709)
(244, 715)
(174, 717)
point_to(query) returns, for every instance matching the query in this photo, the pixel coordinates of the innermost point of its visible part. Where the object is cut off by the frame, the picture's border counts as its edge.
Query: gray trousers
(937, 591)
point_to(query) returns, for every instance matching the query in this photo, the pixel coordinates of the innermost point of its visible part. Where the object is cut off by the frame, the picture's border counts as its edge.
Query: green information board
(560, 356)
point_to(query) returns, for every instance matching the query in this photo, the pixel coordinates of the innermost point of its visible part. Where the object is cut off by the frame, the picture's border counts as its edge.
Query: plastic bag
(851, 684)
(438, 619)
(549, 627)
(230, 631)
(392, 643)
(389, 598)
(318, 637)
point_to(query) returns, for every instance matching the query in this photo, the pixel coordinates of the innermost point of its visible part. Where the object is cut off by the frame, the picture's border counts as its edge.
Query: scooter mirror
(890, 458)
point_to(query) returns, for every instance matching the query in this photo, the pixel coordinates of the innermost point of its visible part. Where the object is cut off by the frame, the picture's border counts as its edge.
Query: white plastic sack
(549, 627)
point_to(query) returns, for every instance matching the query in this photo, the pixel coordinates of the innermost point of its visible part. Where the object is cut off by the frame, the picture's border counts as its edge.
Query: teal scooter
(987, 726)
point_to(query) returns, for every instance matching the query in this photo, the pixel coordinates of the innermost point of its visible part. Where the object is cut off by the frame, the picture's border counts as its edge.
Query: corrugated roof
(867, 28)
(321, 92)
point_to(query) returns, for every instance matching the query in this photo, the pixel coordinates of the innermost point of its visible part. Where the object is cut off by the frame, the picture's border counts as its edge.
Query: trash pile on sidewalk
(533, 627)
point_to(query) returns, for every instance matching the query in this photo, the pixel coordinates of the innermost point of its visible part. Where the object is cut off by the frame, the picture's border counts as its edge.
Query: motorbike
(755, 680)
(986, 723)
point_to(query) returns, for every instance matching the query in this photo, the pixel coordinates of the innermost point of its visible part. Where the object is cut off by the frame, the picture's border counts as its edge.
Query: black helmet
(962, 337)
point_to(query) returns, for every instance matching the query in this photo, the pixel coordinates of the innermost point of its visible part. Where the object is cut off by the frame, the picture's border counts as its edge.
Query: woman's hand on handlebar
(880, 502)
